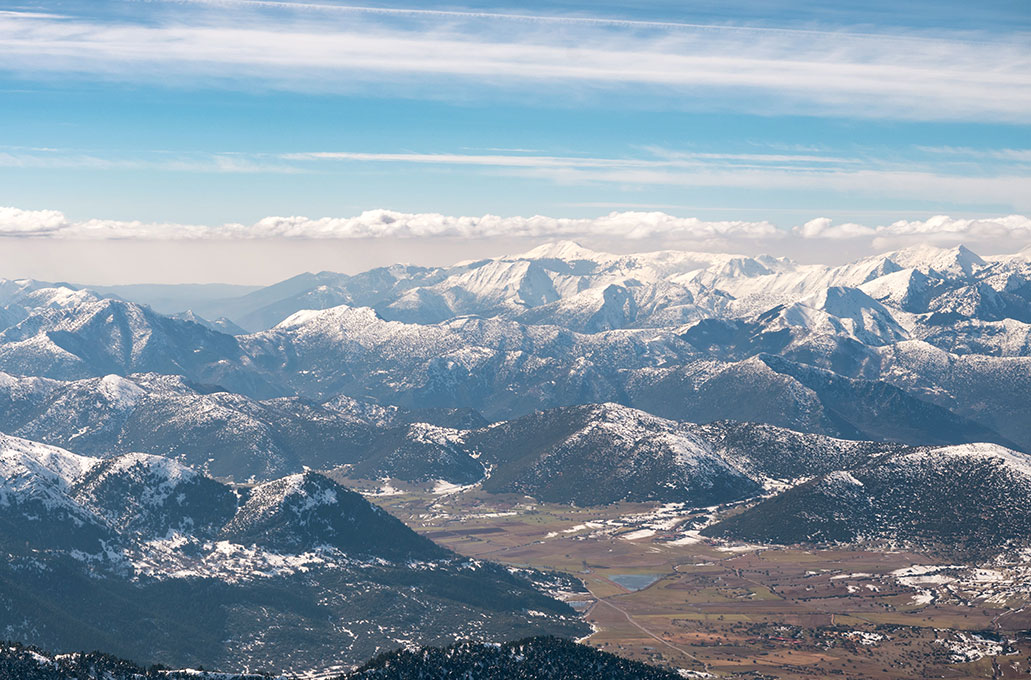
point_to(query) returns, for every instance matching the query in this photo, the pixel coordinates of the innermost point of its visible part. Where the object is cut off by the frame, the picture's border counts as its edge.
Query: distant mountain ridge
(923, 346)
(559, 278)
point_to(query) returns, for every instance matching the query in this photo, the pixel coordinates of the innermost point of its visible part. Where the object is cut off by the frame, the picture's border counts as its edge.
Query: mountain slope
(965, 502)
(830, 350)
(153, 496)
(874, 409)
(507, 286)
(95, 337)
(225, 434)
(538, 658)
(766, 452)
(498, 367)
(982, 389)
(606, 453)
(307, 511)
(20, 662)
(147, 558)
(38, 511)
(421, 452)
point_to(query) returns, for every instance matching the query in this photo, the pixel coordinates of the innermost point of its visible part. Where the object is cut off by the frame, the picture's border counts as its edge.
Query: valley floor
(657, 591)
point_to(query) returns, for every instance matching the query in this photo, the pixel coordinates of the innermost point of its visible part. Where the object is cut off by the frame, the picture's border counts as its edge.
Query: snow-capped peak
(303, 491)
(120, 392)
(959, 260)
(33, 471)
(1012, 460)
(164, 469)
(562, 250)
(840, 310)
(842, 301)
(19, 456)
(333, 314)
(898, 288)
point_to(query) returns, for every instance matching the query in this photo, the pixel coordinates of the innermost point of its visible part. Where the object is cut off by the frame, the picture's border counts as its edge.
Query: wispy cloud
(667, 168)
(1010, 189)
(964, 152)
(754, 69)
(762, 171)
(232, 163)
(527, 18)
(23, 14)
(1006, 185)
(666, 159)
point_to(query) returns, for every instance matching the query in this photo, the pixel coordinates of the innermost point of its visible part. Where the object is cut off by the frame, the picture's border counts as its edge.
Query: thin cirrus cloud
(894, 76)
(1004, 185)
(654, 227)
(745, 171)
(901, 183)
(233, 163)
(667, 159)
(1021, 156)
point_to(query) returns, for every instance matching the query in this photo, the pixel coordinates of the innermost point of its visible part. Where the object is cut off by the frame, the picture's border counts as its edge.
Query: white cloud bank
(373, 224)
(1014, 230)
(940, 227)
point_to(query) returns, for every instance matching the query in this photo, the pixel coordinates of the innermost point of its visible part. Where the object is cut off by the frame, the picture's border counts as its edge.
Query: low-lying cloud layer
(631, 226)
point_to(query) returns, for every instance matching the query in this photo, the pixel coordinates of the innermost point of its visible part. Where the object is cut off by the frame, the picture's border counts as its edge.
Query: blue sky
(211, 112)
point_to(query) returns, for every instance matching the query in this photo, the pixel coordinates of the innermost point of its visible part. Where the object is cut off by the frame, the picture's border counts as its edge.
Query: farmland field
(731, 610)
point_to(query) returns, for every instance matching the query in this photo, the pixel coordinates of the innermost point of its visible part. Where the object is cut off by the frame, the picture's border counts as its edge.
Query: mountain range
(158, 475)
(586, 455)
(591, 454)
(223, 433)
(920, 346)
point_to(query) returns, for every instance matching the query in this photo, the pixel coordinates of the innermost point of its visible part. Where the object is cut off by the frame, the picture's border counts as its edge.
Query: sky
(245, 140)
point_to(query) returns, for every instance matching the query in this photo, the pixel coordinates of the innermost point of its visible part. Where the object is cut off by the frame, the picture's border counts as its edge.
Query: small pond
(634, 581)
